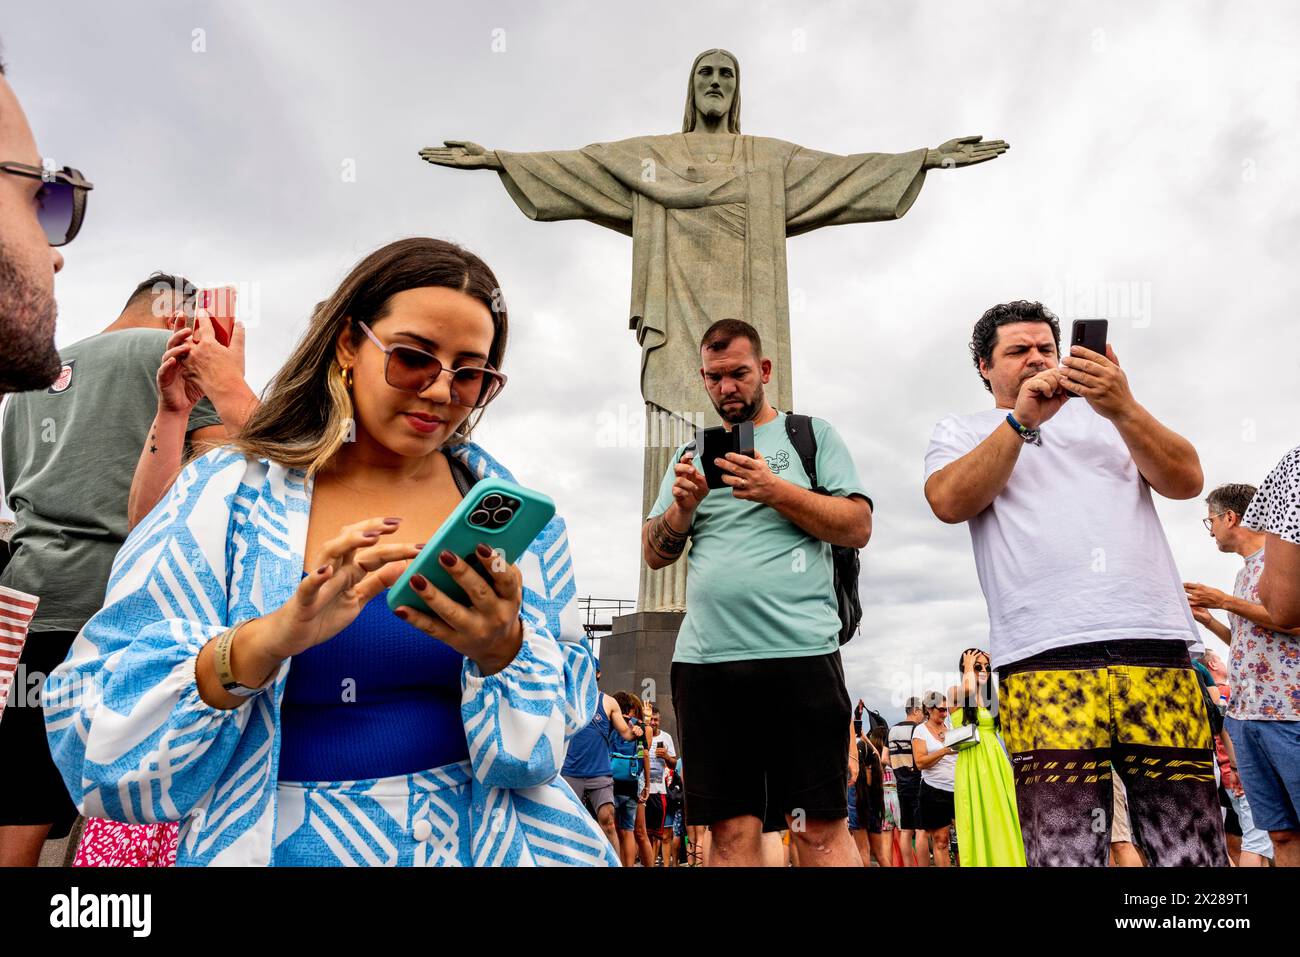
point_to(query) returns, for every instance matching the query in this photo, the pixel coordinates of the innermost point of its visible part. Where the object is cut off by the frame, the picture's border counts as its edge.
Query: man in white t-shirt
(662, 754)
(1089, 626)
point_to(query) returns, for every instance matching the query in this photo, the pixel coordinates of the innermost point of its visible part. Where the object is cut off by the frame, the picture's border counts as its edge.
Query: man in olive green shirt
(69, 453)
(762, 622)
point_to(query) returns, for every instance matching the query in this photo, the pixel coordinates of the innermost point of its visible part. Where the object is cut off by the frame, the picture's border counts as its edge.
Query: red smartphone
(219, 304)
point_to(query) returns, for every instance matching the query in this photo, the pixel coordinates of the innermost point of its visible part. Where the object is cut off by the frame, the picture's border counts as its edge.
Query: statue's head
(714, 90)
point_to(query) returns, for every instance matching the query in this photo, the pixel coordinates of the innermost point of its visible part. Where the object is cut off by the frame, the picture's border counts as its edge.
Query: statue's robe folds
(708, 228)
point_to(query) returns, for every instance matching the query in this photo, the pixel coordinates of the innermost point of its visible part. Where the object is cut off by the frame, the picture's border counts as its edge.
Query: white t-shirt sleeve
(950, 440)
(668, 744)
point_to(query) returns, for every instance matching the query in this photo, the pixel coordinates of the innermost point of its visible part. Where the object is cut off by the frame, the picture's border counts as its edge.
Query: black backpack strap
(610, 733)
(461, 474)
(800, 431)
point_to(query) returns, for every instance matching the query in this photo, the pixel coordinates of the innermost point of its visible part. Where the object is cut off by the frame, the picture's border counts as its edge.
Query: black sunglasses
(414, 370)
(61, 199)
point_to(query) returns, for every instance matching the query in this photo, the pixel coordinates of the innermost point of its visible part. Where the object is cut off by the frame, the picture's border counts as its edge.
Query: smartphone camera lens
(491, 502)
(502, 515)
(479, 516)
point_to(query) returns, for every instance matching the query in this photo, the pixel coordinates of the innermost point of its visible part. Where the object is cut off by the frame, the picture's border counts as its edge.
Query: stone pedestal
(662, 589)
(637, 656)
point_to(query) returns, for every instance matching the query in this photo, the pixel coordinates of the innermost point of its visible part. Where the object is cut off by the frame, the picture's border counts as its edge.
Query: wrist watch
(224, 673)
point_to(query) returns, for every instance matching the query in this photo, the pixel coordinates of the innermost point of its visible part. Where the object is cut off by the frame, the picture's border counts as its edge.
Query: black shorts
(937, 807)
(32, 791)
(908, 781)
(795, 762)
(655, 806)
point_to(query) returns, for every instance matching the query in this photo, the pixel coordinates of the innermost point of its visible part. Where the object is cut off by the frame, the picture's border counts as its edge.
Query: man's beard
(735, 414)
(28, 359)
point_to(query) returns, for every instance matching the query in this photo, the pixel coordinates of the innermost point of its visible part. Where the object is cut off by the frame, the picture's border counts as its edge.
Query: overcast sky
(1152, 180)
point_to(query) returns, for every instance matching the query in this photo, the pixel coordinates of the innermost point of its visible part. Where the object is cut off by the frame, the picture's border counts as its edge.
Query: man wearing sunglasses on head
(40, 210)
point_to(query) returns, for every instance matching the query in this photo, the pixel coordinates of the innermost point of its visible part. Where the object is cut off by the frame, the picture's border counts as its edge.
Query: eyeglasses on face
(1209, 522)
(414, 370)
(61, 200)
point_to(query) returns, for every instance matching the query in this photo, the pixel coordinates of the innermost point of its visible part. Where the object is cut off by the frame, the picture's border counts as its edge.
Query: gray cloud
(1153, 145)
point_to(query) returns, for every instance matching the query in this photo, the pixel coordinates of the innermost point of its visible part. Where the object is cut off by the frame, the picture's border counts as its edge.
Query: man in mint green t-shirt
(762, 623)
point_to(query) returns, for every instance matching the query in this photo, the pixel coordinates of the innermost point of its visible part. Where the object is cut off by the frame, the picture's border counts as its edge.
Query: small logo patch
(64, 380)
(780, 463)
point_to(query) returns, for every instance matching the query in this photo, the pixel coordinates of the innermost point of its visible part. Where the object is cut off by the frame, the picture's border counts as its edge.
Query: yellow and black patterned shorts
(1073, 716)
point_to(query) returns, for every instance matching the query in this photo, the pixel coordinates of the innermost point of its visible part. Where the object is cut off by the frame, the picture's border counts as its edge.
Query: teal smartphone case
(481, 516)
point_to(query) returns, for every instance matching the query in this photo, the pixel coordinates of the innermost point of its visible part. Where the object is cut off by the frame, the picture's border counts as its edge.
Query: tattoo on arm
(665, 540)
(153, 440)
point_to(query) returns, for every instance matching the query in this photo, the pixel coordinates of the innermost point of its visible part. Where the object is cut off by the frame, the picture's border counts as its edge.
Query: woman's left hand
(489, 632)
(177, 392)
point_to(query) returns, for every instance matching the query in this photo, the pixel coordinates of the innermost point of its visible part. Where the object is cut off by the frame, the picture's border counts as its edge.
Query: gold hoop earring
(346, 375)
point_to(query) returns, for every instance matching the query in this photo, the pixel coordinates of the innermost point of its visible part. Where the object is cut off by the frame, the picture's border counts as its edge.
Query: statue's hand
(965, 151)
(461, 154)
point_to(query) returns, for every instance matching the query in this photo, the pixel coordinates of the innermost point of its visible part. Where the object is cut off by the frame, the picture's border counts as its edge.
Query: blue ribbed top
(380, 698)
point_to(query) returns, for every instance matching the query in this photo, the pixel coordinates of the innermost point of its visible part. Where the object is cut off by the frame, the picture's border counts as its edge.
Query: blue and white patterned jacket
(136, 743)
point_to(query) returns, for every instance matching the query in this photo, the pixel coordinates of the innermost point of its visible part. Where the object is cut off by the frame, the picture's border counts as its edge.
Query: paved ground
(52, 853)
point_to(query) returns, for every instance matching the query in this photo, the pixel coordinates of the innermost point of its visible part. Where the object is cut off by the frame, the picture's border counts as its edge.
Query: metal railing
(598, 615)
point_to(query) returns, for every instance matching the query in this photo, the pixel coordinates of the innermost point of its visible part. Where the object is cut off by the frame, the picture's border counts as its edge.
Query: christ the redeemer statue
(708, 210)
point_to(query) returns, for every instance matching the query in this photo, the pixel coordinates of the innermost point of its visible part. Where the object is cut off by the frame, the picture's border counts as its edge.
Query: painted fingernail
(392, 521)
(322, 570)
(401, 613)
(370, 534)
(419, 582)
(447, 558)
(483, 551)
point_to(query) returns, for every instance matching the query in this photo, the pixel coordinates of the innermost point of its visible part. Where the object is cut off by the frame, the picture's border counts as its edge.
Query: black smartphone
(1089, 333)
(715, 443)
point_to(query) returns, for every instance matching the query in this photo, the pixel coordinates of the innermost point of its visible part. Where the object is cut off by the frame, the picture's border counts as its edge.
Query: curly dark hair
(985, 335)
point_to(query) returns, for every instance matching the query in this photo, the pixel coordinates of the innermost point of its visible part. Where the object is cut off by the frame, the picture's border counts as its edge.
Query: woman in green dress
(988, 825)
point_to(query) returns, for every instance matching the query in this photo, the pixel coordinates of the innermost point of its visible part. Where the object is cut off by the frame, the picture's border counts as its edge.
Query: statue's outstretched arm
(965, 151)
(461, 154)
